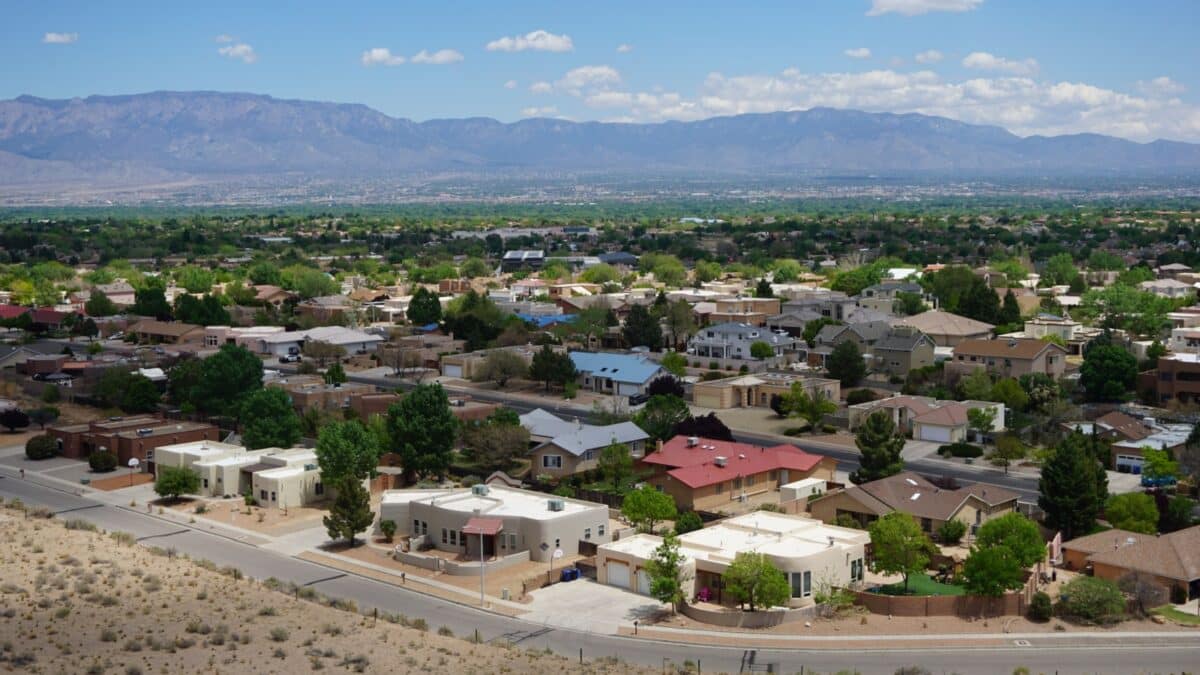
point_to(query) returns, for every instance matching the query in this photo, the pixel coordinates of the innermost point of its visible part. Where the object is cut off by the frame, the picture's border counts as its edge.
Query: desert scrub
(123, 538)
(268, 611)
(108, 635)
(79, 524)
(279, 634)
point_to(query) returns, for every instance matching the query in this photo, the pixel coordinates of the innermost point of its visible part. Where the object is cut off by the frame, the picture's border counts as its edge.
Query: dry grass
(73, 600)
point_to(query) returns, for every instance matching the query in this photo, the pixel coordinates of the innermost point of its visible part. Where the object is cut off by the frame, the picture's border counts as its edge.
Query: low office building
(310, 394)
(807, 551)
(187, 455)
(930, 505)
(513, 521)
(756, 391)
(149, 331)
(1173, 560)
(129, 437)
(703, 474)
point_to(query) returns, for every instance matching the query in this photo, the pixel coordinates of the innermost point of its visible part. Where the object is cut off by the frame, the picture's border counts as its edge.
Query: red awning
(484, 526)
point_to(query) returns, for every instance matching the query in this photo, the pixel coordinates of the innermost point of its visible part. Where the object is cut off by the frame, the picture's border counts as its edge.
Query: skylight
(915, 497)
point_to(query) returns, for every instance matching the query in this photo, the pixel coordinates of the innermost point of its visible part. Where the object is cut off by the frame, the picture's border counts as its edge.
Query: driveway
(588, 606)
(919, 449)
(1120, 483)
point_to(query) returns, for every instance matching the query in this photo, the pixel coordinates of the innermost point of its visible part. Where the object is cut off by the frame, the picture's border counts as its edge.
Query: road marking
(313, 583)
(519, 636)
(168, 534)
(78, 508)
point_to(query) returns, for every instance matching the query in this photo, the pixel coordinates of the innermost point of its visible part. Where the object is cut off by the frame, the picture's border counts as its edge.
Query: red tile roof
(47, 316)
(12, 311)
(696, 466)
(484, 526)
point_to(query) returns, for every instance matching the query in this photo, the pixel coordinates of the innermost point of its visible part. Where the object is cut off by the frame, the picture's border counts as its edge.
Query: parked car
(638, 399)
(290, 358)
(1162, 481)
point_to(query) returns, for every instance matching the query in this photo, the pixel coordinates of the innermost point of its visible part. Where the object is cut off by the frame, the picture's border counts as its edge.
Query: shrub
(713, 365)
(108, 635)
(1092, 599)
(279, 635)
(951, 531)
(688, 521)
(41, 447)
(102, 461)
(388, 528)
(860, 396)
(961, 449)
(1040, 608)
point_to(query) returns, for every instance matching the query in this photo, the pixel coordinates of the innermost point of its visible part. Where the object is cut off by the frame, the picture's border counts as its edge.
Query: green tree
(660, 415)
(845, 363)
(500, 366)
(1018, 534)
(102, 461)
(991, 572)
(752, 579)
(976, 385)
(474, 267)
(616, 463)
(1010, 311)
(909, 304)
(308, 282)
(980, 302)
(263, 272)
(423, 430)
(880, 446)
(1133, 511)
(674, 363)
(813, 327)
(600, 274)
(981, 421)
(225, 378)
(182, 379)
(51, 394)
(174, 481)
(98, 304)
(1059, 270)
(642, 329)
(41, 447)
(1009, 448)
(810, 408)
(1069, 487)
(1177, 515)
(665, 568)
(706, 271)
(1009, 392)
(1108, 373)
(763, 289)
(679, 321)
(761, 350)
(951, 532)
(335, 374)
(350, 512)
(323, 351)
(346, 450)
(645, 507)
(552, 367)
(43, 416)
(1158, 464)
(1091, 599)
(268, 420)
(688, 521)
(194, 279)
(424, 308)
(899, 545)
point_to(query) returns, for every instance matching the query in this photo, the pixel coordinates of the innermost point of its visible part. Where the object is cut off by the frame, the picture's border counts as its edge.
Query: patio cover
(484, 526)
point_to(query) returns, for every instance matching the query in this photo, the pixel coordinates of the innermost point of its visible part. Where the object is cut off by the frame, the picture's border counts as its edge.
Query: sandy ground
(269, 521)
(76, 601)
(120, 481)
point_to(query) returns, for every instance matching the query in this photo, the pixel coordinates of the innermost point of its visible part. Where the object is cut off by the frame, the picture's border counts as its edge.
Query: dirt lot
(75, 601)
(270, 521)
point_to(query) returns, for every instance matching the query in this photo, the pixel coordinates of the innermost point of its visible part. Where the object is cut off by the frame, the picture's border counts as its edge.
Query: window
(587, 533)
(737, 483)
(445, 535)
(551, 461)
(926, 525)
(856, 570)
(205, 483)
(749, 480)
(774, 476)
(590, 454)
(807, 584)
(600, 529)
(424, 527)
(319, 488)
(272, 495)
(512, 540)
(416, 528)
(454, 537)
(462, 539)
(720, 487)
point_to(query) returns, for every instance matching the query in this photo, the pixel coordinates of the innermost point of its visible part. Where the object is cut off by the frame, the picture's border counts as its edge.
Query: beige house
(930, 505)
(946, 329)
(1172, 559)
(284, 478)
(149, 331)
(750, 391)
(752, 311)
(466, 366)
(578, 449)
(902, 349)
(1008, 357)
(808, 552)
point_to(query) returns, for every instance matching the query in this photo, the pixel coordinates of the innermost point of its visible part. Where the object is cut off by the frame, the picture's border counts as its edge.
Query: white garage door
(625, 389)
(452, 371)
(1130, 463)
(934, 433)
(618, 574)
(643, 585)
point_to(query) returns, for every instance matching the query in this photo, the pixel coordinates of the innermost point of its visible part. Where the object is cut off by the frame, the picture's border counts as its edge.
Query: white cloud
(986, 61)
(624, 48)
(929, 56)
(916, 7)
(587, 77)
(381, 56)
(240, 51)
(538, 40)
(1022, 104)
(541, 88)
(223, 38)
(858, 53)
(511, 84)
(60, 38)
(544, 111)
(1160, 86)
(439, 58)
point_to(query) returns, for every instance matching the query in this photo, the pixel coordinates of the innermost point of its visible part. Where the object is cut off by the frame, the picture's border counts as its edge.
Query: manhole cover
(1022, 643)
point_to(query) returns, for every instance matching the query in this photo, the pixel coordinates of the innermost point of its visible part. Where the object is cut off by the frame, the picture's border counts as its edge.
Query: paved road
(1050, 653)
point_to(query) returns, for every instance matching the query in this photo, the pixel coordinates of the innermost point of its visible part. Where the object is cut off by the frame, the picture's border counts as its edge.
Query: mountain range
(214, 136)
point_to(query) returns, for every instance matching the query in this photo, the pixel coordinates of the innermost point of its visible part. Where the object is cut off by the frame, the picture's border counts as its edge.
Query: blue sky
(1054, 66)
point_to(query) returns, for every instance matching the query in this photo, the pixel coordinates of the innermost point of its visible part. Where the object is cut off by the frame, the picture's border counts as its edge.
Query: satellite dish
(134, 462)
(558, 553)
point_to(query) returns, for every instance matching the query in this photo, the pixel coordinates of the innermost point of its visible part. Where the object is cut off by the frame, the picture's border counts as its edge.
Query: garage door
(452, 371)
(643, 582)
(934, 433)
(1130, 463)
(624, 389)
(617, 574)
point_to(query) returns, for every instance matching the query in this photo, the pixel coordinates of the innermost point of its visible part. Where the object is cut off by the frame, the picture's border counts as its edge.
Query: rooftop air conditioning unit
(479, 490)
(555, 504)
(692, 441)
(720, 460)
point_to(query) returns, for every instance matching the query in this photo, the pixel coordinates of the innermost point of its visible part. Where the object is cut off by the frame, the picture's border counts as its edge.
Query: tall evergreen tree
(350, 512)
(424, 308)
(642, 329)
(1073, 487)
(423, 430)
(1010, 311)
(846, 363)
(880, 446)
(763, 289)
(980, 302)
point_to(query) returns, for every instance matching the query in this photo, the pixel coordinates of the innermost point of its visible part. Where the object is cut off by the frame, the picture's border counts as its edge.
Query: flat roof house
(1173, 559)
(703, 474)
(353, 341)
(149, 331)
(284, 478)
(910, 493)
(756, 391)
(620, 374)
(522, 260)
(513, 521)
(807, 551)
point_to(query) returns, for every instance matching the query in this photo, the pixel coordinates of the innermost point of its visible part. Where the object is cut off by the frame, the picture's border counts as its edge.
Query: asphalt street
(1052, 653)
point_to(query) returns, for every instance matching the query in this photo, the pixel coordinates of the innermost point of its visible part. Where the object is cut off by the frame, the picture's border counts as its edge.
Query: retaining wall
(733, 618)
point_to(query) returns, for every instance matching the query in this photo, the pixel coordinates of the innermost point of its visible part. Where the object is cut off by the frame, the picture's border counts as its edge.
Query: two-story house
(1008, 357)
(733, 340)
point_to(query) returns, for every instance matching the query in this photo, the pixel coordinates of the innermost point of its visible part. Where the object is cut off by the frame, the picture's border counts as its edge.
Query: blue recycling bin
(569, 574)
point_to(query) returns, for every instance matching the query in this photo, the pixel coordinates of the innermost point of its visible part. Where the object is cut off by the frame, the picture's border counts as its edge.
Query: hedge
(961, 449)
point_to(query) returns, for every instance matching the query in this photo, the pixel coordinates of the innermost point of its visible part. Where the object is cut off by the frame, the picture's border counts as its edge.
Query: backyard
(921, 584)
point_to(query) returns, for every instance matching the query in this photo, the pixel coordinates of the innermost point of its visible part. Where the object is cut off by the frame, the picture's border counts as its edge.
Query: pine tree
(350, 512)
(763, 289)
(1071, 488)
(1010, 312)
(880, 446)
(846, 363)
(642, 329)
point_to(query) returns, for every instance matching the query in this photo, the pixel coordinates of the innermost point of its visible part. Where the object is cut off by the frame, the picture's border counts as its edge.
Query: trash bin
(85, 481)
(569, 574)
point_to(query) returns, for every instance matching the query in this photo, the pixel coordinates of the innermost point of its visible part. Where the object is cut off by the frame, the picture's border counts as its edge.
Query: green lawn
(1177, 616)
(921, 584)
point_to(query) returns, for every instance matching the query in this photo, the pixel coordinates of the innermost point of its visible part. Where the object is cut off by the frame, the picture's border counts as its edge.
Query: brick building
(129, 437)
